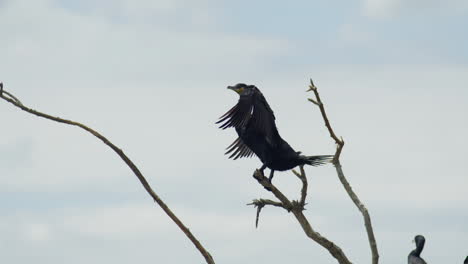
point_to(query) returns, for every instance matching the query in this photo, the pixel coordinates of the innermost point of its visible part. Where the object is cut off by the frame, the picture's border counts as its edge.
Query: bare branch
(297, 209)
(319, 103)
(258, 175)
(296, 173)
(13, 100)
(336, 161)
(260, 203)
(362, 208)
(10, 96)
(303, 178)
(313, 101)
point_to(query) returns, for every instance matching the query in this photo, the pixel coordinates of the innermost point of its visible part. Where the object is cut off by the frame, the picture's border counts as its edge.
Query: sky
(152, 75)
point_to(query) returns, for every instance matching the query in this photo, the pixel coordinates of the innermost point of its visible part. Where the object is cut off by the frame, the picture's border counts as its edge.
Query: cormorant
(414, 256)
(254, 122)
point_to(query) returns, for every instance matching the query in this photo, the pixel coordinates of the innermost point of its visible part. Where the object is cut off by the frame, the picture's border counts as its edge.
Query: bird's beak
(233, 88)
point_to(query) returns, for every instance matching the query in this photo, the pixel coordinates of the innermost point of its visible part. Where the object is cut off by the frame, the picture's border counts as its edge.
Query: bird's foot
(260, 177)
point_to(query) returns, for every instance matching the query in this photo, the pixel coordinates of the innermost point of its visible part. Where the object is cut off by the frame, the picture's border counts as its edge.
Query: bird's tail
(317, 160)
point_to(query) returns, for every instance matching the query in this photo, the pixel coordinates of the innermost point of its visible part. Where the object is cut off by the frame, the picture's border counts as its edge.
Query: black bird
(254, 122)
(414, 256)
(466, 260)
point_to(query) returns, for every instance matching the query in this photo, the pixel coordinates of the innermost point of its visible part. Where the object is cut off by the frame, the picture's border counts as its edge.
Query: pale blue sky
(151, 76)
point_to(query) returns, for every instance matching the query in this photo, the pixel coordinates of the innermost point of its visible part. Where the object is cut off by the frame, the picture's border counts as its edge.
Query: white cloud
(392, 8)
(355, 35)
(36, 232)
(53, 44)
(381, 8)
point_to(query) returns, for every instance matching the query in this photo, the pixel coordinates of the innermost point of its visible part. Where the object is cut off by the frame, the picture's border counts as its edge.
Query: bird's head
(419, 240)
(242, 89)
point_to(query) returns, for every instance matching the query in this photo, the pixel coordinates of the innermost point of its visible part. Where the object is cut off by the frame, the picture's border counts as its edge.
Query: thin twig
(10, 96)
(318, 102)
(260, 203)
(302, 176)
(263, 202)
(13, 100)
(336, 161)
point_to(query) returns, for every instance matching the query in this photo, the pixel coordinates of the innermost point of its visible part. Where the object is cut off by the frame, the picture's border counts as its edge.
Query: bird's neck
(417, 251)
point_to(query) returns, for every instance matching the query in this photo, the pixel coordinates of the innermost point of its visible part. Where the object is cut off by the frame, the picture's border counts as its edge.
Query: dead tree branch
(260, 203)
(336, 161)
(13, 100)
(297, 209)
(305, 184)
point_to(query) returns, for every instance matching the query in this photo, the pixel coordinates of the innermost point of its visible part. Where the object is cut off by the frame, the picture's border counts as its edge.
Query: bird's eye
(240, 90)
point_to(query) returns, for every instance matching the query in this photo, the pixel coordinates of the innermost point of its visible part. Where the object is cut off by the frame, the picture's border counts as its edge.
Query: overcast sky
(152, 77)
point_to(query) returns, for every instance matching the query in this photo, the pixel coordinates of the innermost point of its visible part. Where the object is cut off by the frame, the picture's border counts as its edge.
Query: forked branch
(305, 184)
(339, 170)
(13, 100)
(318, 102)
(297, 208)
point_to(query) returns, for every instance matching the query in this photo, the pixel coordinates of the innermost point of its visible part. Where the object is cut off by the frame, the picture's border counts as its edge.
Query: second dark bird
(414, 256)
(254, 122)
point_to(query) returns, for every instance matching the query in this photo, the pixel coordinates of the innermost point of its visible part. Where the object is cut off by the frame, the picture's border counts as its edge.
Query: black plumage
(254, 122)
(466, 260)
(414, 256)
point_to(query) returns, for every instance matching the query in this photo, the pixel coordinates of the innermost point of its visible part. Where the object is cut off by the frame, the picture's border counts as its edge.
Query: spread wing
(252, 111)
(239, 150)
(237, 117)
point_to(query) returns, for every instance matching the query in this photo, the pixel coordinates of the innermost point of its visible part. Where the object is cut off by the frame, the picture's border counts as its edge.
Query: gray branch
(13, 100)
(336, 161)
(303, 178)
(297, 209)
(260, 203)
